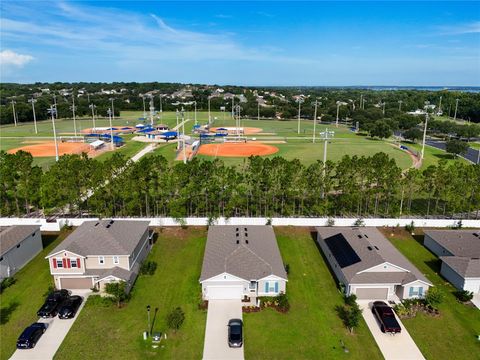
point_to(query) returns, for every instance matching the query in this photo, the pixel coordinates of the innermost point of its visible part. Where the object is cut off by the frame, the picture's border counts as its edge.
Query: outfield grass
(433, 155)
(20, 302)
(112, 333)
(311, 329)
(453, 334)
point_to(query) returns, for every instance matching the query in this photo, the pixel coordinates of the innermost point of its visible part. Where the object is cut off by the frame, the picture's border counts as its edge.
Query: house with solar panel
(366, 264)
(242, 262)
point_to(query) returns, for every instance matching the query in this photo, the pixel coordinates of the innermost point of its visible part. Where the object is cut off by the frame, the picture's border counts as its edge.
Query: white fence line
(59, 223)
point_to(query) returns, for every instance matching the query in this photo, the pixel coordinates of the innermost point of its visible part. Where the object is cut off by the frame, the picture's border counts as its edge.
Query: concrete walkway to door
(393, 347)
(216, 332)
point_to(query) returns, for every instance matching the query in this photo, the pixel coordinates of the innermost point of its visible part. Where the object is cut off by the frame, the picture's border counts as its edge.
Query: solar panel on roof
(341, 250)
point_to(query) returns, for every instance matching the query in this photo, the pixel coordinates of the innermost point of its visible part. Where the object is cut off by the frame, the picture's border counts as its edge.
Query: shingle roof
(116, 271)
(11, 236)
(105, 237)
(258, 258)
(370, 248)
(464, 266)
(459, 242)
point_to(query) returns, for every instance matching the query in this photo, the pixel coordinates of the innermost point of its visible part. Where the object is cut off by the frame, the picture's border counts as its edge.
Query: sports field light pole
(52, 111)
(424, 136)
(92, 106)
(338, 112)
(209, 116)
(73, 108)
(161, 110)
(361, 100)
(110, 112)
(183, 137)
(195, 115)
(383, 110)
(300, 101)
(144, 111)
(14, 113)
(33, 101)
(113, 109)
(456, 108)
(440, 104)
(315, 121)
(258, 110)
(325, 136)
(400, 105)
(55, 102)
(237, 122)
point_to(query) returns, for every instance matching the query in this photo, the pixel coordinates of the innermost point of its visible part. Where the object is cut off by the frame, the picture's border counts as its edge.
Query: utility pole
(300, 101)
(110, 112)
(73, 111)
(91, 106)
(456, 108)
(314, 121)
(52, 110)
(113, 109)
(33, 101)
(400, 105)
(14, 112)
(424, 136)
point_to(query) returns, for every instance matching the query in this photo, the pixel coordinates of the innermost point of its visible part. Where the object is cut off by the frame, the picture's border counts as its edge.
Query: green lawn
(112, 333)
(453, 334)
(432, 155)
(311, 329)
(20, 302)
(166, 150)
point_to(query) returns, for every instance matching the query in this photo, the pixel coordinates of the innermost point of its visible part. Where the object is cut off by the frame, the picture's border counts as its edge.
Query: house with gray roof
(242, 261)
(368, 265)
(18, 245)
(459, 251)
(99, 252)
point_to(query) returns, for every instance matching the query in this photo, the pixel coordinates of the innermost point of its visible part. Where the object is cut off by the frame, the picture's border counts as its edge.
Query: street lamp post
(300, 101)
(456, 108)
(33, 101)
(148, 316)
(92, 106)
(14, 112)
(73, 108)
(424, 136)
(110, 112)
(52, 111)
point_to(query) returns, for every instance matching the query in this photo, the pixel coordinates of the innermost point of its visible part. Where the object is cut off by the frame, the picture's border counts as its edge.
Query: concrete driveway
(393, 347)
(53, 337)
(216, 332)
(476, 300)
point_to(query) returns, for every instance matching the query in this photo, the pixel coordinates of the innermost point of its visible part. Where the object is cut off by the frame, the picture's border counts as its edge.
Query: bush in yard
(175, 319)
(287, 268)
(410, 228)
(6, 283)
(350, 300)
(359, 222)
(282, 301)
(117, 293)
(148, 267)
(433, 298)
(464, 295)
(350, 316)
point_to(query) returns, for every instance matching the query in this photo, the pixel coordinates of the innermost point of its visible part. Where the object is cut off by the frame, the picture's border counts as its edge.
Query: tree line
(152, 187)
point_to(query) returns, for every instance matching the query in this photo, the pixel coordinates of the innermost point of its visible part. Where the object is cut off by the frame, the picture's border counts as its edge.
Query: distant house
(99, 252)
(242, 261)
(18, 245)
(459, 251)
(368, 265)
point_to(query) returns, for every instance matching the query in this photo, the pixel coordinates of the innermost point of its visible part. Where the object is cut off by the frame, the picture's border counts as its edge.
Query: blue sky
(243, 43)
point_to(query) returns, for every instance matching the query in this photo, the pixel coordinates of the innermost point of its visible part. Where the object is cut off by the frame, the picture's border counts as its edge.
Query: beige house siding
(434, 247)
(92, 262)
(416, 284)
(64, 270)
(281, 287)
(20, 255)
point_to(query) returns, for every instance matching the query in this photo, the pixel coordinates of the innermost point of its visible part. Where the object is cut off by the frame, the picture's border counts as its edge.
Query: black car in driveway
(53, 302)
(29, 337)
(70, 307)
(386, 318)
(235, 333)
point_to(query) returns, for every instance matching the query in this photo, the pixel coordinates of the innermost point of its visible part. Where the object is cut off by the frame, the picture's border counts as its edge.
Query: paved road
(393, 347)
(51, 340)
(471, 155)
(216, 332)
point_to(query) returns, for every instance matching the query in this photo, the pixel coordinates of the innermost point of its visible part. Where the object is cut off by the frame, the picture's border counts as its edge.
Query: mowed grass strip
(453, 335)
(311, 329)
(20, 302)
(110, 333)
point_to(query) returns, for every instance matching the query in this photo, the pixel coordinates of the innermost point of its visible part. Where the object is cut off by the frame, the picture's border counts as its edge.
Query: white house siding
(281, 287)
(17, 257)
(434, 247)
(473, 285)
(331, 260)
(452, 276)
(405, 294)
(92, 262)
(353, 288)
(385, 267)
(217, 283)
(141, 251)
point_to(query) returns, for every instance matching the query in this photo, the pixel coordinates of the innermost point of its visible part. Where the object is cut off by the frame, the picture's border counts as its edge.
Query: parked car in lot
(30, 336)
(53, 302)
(235, 333)
(386, 317)
(69, 307)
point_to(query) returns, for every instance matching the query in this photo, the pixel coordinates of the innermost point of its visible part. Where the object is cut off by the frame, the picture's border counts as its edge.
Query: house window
(116, 260)
(73, 262)
(59, 263)
(415, 291)
(101, 260)
(273, 286)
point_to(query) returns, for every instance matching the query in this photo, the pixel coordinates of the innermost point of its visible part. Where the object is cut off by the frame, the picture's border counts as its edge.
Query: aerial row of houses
(245, 261)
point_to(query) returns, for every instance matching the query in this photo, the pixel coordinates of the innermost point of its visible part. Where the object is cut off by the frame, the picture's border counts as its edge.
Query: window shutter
(54, 263)
(69, 265)
(266, 286)
(276, 286)
(78, 263)
(64, 262)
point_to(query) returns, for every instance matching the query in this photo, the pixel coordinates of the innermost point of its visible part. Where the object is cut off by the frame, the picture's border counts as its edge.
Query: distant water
(471, 89)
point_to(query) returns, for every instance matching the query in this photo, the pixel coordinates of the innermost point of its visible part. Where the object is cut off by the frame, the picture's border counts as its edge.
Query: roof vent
(237, 234)
(245, 229)
(246, 241)
(111, 222)
(237, 229)
(365, 235)
(108, 226)
(369, 248)
(96, 224)
(238, 241)
(246, 234)
(376, 247)
(475, 234)
(359, 236)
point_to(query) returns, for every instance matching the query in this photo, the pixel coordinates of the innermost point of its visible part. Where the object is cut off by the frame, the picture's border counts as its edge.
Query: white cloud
(11, 58)
(469, 28)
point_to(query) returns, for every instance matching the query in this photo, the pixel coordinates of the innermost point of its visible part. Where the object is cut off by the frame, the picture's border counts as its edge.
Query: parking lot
(393, 347)
(51, 340)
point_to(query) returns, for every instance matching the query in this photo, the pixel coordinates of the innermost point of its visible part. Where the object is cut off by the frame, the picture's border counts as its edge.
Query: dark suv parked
(386, 317)
(235, 333)
(52, 303)
(29, 337)
(70, 307)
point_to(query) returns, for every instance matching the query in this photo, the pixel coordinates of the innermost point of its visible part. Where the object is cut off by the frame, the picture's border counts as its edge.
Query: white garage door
(224, 292)
(371, 293)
